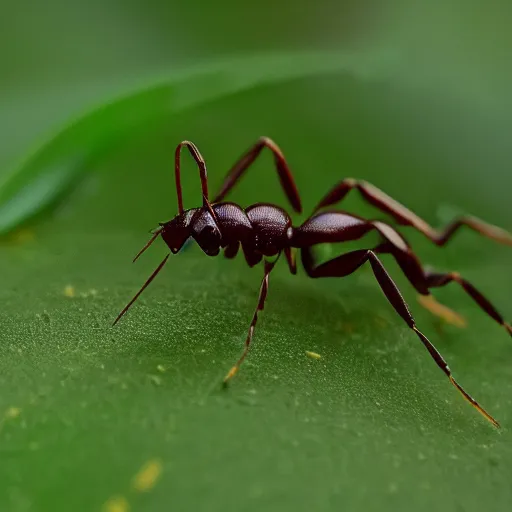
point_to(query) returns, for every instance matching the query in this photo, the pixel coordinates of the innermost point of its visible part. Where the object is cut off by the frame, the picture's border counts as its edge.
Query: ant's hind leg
(406, 217)
(424, 280)
(436, 280)
(347, 264)
(291, 259)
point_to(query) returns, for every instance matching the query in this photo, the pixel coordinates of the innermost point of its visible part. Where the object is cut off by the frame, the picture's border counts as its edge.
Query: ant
(265, 231)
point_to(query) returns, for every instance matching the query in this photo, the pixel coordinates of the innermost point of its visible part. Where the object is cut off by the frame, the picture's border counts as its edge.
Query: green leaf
(371, 425)
(56, 164)
(101, 418)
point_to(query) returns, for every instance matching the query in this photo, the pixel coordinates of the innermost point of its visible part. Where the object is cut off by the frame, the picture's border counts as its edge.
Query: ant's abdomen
(328, 228)
(271, 227)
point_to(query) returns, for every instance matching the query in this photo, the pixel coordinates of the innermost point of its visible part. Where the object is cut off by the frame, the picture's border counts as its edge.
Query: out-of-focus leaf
(56, 164)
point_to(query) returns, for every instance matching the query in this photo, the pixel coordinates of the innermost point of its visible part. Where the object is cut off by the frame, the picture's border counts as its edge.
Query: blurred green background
(412, 96)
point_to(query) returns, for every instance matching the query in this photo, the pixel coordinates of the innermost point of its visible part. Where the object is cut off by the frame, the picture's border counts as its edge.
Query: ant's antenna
(196, 155)
(151, 277)
(151, 240)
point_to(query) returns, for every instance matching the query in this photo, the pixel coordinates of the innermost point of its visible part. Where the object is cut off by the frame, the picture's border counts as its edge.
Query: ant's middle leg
(246, 160)
(259, 307)
(230, 251)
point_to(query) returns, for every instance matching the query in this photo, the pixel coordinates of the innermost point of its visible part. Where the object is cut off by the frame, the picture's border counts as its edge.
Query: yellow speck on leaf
(116, 504)
(161, 368)
(69, 291)
(148, 475)
(12, 412)
(313, 355)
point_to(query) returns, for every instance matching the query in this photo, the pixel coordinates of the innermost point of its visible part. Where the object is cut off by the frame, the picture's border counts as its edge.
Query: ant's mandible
(265, 231)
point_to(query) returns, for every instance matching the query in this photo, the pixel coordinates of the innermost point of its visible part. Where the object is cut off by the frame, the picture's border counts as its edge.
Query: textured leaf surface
(372, 424)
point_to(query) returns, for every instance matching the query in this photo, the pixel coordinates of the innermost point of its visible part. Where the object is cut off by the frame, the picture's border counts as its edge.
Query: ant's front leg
(259, 307)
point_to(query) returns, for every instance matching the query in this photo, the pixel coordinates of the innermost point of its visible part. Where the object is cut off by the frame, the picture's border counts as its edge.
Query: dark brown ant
(265, 231)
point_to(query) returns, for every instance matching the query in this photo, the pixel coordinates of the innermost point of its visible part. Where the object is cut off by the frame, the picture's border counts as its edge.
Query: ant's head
(197, 223)
(178, 230)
